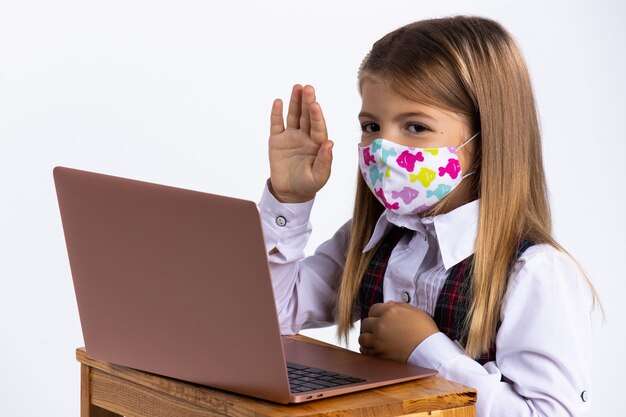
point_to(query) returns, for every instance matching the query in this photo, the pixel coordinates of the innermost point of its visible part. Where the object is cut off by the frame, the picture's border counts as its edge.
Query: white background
(179, 93)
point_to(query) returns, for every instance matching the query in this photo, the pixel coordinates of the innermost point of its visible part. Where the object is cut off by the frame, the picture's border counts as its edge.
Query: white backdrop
(155, 90)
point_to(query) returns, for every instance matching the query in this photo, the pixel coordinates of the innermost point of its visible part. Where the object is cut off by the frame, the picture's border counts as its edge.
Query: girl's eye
(416, 128)
(370, 127)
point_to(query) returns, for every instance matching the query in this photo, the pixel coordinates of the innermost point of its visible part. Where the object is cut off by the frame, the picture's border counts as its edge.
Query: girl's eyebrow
(414, 114)
(398, 117)
(366, 115)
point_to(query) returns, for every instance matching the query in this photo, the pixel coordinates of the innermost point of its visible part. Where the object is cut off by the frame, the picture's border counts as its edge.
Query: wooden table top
(431, 393)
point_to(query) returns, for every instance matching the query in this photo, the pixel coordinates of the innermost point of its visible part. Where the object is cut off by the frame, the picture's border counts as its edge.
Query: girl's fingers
(366, 325)
(376, 310)
(365, 341)
(276, 118)
(319, 133)
(367, 352)
(295, 107)
(322, 164)
(308, 98)
(368, 345)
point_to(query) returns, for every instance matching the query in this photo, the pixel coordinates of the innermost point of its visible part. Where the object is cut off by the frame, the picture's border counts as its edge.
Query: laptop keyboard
(303, 378)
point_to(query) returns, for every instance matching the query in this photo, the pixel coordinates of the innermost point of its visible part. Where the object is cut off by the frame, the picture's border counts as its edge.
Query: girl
(448, 259)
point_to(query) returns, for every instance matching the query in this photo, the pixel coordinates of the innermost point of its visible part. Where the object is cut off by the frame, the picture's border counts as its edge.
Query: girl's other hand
(393, 330)
(300, 155)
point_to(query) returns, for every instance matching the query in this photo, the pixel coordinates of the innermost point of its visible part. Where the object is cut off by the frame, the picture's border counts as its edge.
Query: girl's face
(388, 115)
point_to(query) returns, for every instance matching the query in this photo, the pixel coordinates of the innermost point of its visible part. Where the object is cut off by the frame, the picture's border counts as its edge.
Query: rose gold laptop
(176, 282)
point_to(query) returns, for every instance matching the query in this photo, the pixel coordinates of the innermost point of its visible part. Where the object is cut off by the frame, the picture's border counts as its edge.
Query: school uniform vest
(454, 300)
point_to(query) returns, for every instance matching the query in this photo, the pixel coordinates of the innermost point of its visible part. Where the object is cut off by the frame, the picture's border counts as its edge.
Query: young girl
(448, 260)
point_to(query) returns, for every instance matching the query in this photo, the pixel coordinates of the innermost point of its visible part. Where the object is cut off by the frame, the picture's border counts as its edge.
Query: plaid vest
(454, 299)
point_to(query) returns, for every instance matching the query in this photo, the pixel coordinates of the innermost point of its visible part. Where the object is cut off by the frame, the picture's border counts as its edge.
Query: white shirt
(543, 343)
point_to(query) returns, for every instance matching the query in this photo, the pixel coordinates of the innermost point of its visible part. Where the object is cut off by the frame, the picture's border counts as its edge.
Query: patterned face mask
(410, 180)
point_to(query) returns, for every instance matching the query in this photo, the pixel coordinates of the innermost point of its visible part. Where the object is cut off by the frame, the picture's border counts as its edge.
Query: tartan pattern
(371, 290)
(454, 301)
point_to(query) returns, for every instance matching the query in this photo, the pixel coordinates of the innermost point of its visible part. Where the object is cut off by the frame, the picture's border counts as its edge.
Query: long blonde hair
(471, 66)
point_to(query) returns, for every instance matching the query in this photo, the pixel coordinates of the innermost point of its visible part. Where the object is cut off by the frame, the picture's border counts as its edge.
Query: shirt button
(584, 396)
(406, 297)
(281, 221)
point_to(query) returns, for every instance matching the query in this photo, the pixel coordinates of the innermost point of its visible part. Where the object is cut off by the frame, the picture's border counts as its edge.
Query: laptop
(176, 282)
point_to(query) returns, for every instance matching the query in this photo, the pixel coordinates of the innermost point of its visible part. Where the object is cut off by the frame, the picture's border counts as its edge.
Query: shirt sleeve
(305, 289)
(542, 346)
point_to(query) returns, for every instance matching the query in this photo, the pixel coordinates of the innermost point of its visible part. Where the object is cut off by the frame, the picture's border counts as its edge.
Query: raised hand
(301, 154)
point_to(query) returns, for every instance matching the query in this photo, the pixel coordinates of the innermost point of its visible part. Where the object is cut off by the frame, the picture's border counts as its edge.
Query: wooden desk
(109, 390)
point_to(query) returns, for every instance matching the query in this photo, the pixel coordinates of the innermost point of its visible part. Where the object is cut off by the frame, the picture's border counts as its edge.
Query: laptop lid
(147, 262)
(176, 282)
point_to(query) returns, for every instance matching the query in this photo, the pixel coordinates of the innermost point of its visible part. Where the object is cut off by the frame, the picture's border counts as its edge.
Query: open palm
(300, 154)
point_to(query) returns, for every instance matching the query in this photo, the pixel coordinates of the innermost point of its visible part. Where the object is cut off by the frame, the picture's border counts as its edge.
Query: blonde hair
(471, 66)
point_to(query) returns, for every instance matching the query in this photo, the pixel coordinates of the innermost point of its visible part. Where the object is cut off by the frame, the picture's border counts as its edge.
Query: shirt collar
(455, 231)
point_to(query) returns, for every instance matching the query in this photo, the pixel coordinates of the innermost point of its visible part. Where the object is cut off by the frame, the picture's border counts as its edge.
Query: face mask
(410, 180)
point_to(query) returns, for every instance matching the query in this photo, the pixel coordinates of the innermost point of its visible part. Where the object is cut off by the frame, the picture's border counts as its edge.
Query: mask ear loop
(463, 144)
(467, 141)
